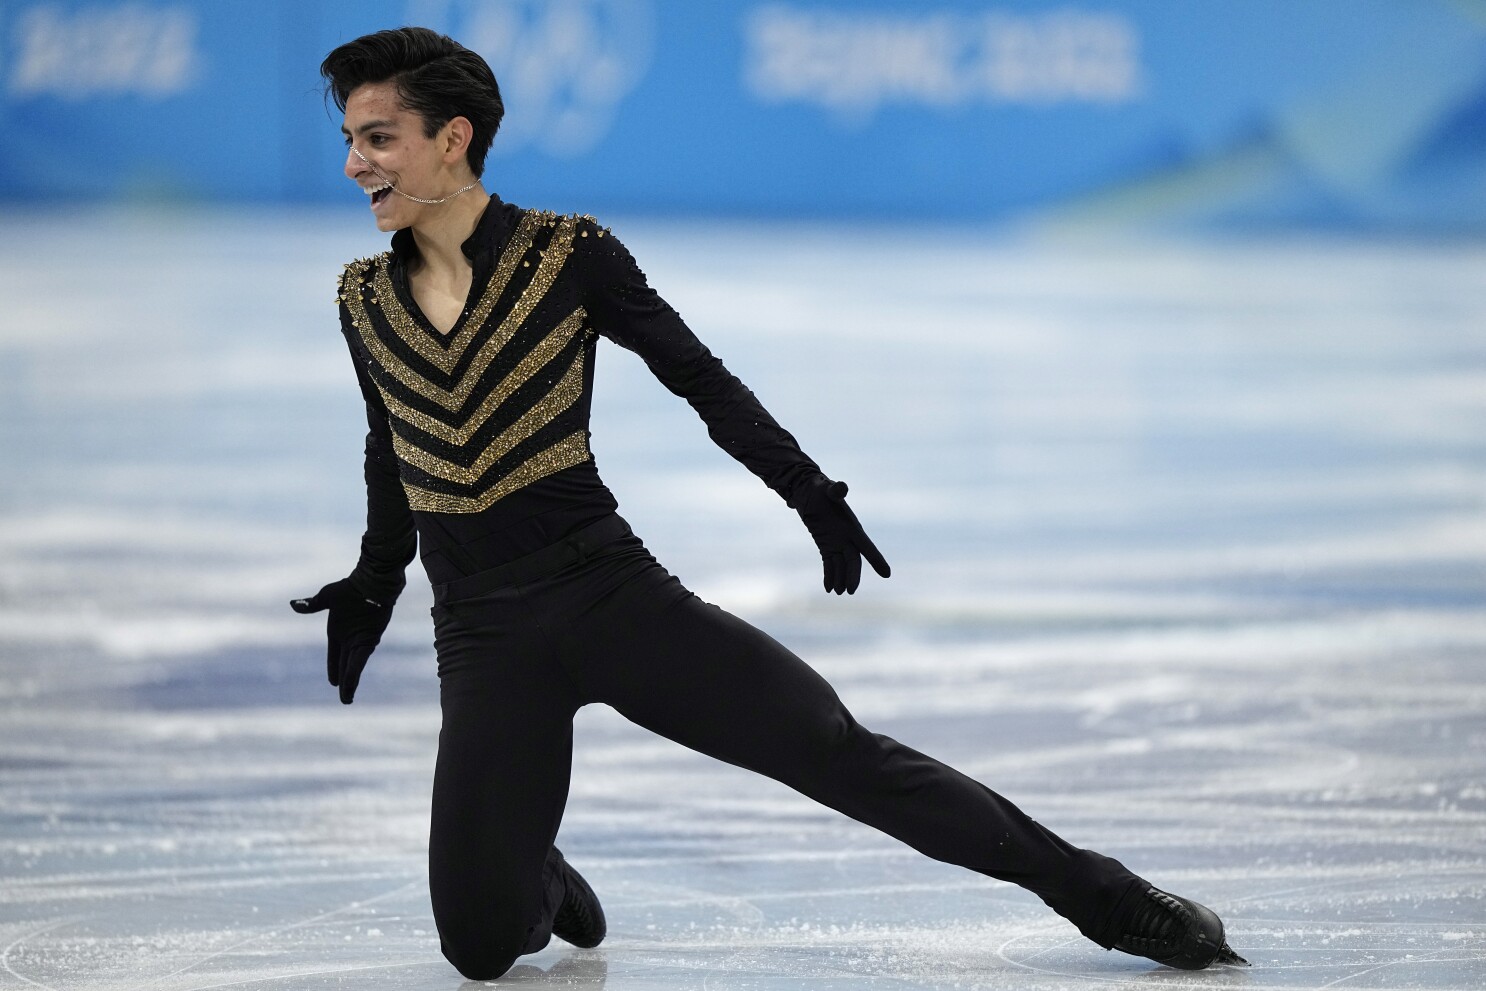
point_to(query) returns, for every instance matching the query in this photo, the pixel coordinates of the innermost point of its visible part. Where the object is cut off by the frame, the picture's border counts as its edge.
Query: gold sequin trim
(554, 257)
(545, 351)
(369, 277)
(569, 451)
(543, 412)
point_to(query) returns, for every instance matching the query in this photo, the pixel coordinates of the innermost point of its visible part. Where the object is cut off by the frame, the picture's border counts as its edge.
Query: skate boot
(580, 917)
(1176, 932)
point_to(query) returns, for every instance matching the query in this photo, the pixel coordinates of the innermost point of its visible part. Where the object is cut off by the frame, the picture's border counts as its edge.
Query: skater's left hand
(842, 541)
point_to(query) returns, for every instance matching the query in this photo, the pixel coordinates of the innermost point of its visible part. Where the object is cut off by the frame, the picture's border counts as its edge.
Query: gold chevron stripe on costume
(553, 259)
(446, 354)
(569, 451)
(554, 256)
(562, 396)
(547, 349)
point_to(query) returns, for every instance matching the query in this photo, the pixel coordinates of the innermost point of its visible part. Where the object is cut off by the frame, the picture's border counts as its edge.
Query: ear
(456, 137)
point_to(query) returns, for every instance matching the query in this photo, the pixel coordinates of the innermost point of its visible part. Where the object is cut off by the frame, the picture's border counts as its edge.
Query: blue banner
(1333, 113)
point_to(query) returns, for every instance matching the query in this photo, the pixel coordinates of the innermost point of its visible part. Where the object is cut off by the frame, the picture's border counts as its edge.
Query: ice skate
(1177, 932)
(580, 917)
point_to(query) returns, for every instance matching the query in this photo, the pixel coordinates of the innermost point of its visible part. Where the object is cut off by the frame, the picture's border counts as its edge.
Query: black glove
(842, 542)
(354, 628)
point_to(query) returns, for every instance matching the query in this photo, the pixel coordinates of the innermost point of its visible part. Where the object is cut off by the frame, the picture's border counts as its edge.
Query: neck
(440, 235)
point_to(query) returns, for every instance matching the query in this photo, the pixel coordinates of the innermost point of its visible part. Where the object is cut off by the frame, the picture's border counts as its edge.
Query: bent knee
(482, 959)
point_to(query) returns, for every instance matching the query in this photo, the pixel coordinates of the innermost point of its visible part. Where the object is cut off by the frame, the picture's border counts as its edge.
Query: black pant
(611, 625)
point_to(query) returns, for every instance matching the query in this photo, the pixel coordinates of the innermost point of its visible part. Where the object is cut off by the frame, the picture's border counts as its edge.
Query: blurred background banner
(1334, 114)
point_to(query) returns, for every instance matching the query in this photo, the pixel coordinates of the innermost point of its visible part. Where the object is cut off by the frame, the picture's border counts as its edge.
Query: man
(473, 341)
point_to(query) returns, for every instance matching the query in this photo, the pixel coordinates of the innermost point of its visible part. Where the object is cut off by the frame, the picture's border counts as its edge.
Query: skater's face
(386, 148)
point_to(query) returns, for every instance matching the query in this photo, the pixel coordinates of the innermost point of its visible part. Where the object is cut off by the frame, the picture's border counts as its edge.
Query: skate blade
(1226, 955)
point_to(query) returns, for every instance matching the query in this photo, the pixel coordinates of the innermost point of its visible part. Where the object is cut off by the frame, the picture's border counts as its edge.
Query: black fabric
(516, 663)
(602, 277)
(390, 539)
(574, 547)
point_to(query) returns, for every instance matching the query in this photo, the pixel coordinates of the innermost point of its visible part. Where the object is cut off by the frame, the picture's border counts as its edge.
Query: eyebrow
(369, 125)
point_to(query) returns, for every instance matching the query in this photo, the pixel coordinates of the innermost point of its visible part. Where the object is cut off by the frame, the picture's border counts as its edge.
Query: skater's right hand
(353, 629)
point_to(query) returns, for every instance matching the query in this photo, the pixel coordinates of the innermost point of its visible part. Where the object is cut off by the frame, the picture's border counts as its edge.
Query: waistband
(575, 547)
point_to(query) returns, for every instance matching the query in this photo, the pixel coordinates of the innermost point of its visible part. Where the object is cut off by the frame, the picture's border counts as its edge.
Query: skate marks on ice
(216, 855)
(192, 849)
(53, 956)
(1187, 561)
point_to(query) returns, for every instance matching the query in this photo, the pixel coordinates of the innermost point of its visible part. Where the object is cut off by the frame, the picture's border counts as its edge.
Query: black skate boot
(580, 917)
(1176, 932)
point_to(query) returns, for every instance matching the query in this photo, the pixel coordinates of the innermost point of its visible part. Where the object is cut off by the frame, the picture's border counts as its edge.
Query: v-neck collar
(482, 248)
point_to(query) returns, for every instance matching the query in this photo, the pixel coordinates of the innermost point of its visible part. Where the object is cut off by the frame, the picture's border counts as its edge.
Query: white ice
(1189, 551)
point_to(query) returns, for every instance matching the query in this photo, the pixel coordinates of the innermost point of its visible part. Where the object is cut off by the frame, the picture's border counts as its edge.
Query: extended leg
(704, 678)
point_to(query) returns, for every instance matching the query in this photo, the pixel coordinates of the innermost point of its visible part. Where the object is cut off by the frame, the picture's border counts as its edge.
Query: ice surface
(1189, 549)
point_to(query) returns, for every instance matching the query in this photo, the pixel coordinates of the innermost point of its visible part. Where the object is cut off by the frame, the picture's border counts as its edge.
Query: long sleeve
(390, 540)
(625, 309)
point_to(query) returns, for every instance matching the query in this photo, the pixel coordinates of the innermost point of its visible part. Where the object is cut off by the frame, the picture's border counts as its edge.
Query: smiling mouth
(378, 193)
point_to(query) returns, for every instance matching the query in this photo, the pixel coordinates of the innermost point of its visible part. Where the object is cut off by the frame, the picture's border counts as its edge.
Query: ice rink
(1189, 551)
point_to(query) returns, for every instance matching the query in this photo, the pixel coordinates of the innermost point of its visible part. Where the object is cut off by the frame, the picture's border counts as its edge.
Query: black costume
(544, 601)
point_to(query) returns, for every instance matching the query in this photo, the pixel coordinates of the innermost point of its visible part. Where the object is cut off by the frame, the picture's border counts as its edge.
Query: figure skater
(473, 340)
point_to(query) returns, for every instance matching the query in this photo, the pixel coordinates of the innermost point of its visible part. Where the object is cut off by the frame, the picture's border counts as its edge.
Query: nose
(354, 164)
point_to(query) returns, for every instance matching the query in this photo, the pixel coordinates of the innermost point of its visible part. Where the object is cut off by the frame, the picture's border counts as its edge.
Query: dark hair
(437, 78)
